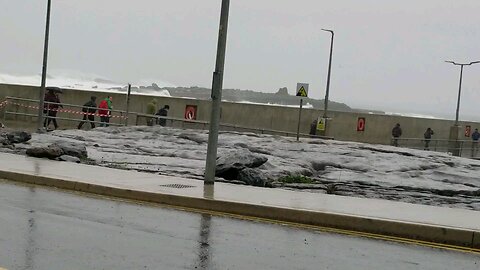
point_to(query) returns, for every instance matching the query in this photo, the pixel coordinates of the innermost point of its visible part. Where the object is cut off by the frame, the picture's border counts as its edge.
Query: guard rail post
(4, 110)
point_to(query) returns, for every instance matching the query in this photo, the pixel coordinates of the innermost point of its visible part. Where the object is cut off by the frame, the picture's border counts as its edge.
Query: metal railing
(464, 148)
(143, 119)
(70, 112)
(28, 108)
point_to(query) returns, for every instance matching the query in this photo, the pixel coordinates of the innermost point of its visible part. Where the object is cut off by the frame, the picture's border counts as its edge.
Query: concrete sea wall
(342, 126)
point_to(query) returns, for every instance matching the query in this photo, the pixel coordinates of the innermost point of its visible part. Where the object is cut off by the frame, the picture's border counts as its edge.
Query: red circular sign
(361, 124)
(191, 112)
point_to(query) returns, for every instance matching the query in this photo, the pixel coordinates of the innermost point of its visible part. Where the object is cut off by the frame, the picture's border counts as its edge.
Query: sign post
(129, 91)
(302, 91)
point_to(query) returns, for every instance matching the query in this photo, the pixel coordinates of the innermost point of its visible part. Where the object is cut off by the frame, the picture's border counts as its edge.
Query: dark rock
(230, 164)
(276, 184)
(7, 146)
(51, 152)
(237, 182)
(79, 138)
(450, 163)
(253, 149)
(193, 138)
(4, 141)
(78, 150)
(282, 91)
(19, 136)
(319, 166)
(96, 145)
(69, 158)
(304, 186)
(254, 177)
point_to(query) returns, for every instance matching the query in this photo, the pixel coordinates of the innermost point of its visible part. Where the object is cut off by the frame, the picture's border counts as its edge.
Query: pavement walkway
(436, 224)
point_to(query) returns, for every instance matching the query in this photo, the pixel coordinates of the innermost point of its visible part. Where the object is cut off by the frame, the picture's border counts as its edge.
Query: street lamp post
(44, 68)
(324, 130)
(455, 129)
(329, 73)
(460, 85)
(217, 85)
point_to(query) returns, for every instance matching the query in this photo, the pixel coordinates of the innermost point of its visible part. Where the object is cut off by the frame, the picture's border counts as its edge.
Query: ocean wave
(86, 82)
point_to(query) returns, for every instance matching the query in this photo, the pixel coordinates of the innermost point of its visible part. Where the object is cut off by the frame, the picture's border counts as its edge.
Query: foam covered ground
(356, 169)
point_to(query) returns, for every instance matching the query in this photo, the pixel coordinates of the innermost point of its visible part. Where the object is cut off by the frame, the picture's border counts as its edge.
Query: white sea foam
(305, 106)
(88, 82)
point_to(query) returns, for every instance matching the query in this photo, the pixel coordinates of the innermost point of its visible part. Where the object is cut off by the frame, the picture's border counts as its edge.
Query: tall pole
(299, 119)
(327, 92)
(459, 94)
(460, 85)
(44, 68)
(127, 116)
(455, 144)
(217, 85)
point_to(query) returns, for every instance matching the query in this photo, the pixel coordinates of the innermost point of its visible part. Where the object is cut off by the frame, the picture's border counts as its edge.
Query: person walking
(105, 111)
(396, 133)
(163, 112)
(89, 110)
(313, 128)
(428, 137)
(475, 138)
(151, 109)
(51, 108)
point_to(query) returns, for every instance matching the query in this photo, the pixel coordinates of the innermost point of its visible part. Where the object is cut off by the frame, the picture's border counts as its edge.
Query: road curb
(414, 231)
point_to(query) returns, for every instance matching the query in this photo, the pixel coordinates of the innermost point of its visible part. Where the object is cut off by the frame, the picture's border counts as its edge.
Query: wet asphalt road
(47, 229)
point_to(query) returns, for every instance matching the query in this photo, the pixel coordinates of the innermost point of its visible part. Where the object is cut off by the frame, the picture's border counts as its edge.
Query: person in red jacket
(105, 111)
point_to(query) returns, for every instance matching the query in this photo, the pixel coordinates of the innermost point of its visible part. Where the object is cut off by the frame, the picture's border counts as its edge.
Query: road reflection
(31, 246)
(204, 250)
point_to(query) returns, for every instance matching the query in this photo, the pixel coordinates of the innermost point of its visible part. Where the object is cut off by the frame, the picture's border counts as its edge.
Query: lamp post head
(327, 30)
(460, 64)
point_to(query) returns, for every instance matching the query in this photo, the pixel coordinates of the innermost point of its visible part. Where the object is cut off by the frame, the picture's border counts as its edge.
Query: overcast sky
(388, 54)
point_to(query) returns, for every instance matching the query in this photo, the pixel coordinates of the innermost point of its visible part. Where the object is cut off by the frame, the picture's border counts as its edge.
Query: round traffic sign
(190, 112)
(361, 124)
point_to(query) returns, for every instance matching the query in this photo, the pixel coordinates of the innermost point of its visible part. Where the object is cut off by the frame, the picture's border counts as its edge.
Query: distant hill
(282, 97)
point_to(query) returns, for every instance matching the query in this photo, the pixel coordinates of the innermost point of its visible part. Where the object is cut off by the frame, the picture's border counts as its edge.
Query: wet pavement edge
(414, 231)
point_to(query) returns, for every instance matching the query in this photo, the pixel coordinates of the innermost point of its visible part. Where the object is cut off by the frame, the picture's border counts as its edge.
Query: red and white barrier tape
(3, 103)
(59, 110)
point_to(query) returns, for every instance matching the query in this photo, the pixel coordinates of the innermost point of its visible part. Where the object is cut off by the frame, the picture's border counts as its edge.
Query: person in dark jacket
(313, 127)
(475, 138)
(51, 108)
(428, 137)
(396, 133)
(89, 110)
(163, 112)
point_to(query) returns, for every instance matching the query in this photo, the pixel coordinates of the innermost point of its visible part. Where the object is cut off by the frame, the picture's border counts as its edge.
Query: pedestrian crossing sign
(321, 124)
(302, 89)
